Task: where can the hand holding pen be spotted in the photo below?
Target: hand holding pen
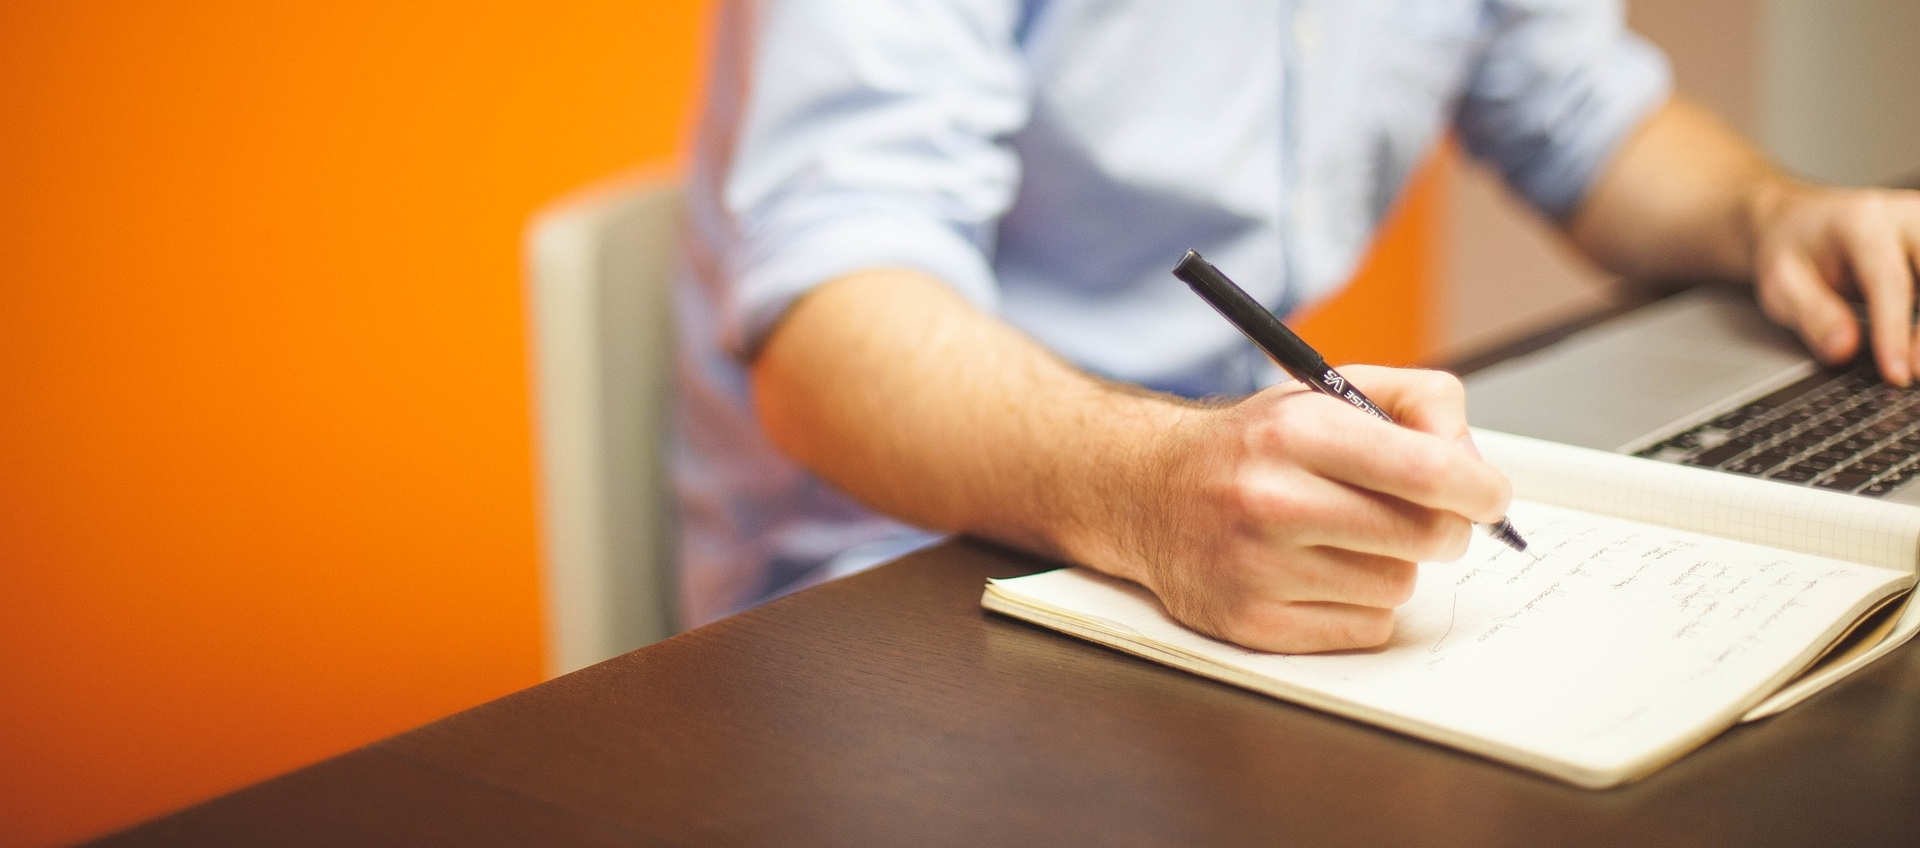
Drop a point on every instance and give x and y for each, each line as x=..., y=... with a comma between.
x=1282, y=521
x=1293, y=354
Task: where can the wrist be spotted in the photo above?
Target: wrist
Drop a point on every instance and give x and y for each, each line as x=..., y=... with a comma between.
x=1768, y=195
x=1132, y=454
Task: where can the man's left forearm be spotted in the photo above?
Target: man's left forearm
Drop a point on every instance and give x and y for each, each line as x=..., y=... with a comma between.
x=1679, y=199
x=1686, y=196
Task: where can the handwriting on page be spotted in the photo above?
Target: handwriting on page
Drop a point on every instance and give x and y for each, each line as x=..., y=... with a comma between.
x=1517, y=642
x=1610, y=642
x=1698, y=586
x=1793, y=518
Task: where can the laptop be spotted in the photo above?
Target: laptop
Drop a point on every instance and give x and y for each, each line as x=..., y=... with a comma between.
x=1702, y=378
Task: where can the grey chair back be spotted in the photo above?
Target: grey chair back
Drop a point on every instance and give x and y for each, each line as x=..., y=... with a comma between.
x=598, y=267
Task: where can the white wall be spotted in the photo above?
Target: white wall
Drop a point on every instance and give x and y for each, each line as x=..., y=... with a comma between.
x=1507, y=271
x=1839, y=91
x=1829, y=87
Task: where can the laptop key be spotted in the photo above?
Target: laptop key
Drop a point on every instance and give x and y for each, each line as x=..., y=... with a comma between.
x=1760, y=462
x=1852, y=445
x=1838, y=431
x=1780, y=397
x=1891, y=481
x=1799, y=442
x=1688, y=440
x=1824, y=431
x=1727, y=450
x=1879, y=430
x=1905, y=416
x=1739, y=416
x=1844, y=481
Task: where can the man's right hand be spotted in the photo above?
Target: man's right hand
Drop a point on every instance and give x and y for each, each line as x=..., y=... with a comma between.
x=1292, y=522
x=1286, y=522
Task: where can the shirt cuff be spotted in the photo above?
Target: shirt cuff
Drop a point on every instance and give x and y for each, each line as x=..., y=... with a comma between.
x=1637, y=82
x=770, y=272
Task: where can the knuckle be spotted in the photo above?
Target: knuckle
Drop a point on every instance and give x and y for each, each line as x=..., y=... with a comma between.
x=1307, y=409
x=1773, y=301
x=1253, y=625
x=1398, y=582
x=1442, y=385
x=1255, y=503
x=1241, y=502
x=1287, y=421
x=1459, y=538
x=1775, y=273
x=1302, y=424
x=1425, y=471
x=1441, y=537
x=1861, y=216
x=1369, y=628
x=1268, y=433
x=1290, y=628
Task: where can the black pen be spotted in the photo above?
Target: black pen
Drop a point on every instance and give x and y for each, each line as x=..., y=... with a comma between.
x=1293, y=354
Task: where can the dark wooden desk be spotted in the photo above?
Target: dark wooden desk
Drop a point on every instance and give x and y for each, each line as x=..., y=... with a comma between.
x=888, y=709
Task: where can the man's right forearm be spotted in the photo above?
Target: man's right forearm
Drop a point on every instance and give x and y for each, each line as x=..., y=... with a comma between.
x=892, y=387
x=1286, y=521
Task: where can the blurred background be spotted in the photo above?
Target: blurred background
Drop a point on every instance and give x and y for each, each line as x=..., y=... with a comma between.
x=266, y=476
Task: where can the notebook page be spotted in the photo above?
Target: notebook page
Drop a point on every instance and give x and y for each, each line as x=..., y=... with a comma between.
x=1904, y=629
x=1718, y=503
x=1619, y=647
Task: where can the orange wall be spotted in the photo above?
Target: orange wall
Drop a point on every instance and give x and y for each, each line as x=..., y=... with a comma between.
x=265, y=487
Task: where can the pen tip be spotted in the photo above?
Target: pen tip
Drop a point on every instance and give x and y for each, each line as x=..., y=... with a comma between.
x=1504, y=532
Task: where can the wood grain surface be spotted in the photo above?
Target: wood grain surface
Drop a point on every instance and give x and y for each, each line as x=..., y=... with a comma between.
x=888, y=709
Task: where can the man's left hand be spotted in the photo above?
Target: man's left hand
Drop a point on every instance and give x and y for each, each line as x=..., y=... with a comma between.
x=1814, y=244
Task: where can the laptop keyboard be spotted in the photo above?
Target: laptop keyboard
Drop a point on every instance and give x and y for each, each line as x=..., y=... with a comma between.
x=1845, y=431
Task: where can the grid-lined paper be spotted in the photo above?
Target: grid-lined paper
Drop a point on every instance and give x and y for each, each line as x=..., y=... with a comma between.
x=1614, y=646
x=1717, y=503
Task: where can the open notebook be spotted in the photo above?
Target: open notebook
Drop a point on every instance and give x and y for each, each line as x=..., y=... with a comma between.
x=1661, y=605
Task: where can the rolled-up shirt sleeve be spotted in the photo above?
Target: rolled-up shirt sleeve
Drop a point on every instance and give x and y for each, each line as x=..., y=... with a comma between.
x=1562, y=83
x=873, y=135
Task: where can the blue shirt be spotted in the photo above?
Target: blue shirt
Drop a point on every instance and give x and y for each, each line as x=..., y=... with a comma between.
x=1050, y=160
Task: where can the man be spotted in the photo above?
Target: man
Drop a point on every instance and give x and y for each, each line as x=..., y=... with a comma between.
x=928, y=279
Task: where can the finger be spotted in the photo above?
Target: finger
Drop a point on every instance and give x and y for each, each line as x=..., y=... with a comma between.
x=1392, y=528
x=1908, y=222
x=1878, y=257
x=1326, y=574
x=1795, y=295
x=1421, y=468
x=1428, y=401
x=1301, y=627
x=1334, y=575
x=1305, y=511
